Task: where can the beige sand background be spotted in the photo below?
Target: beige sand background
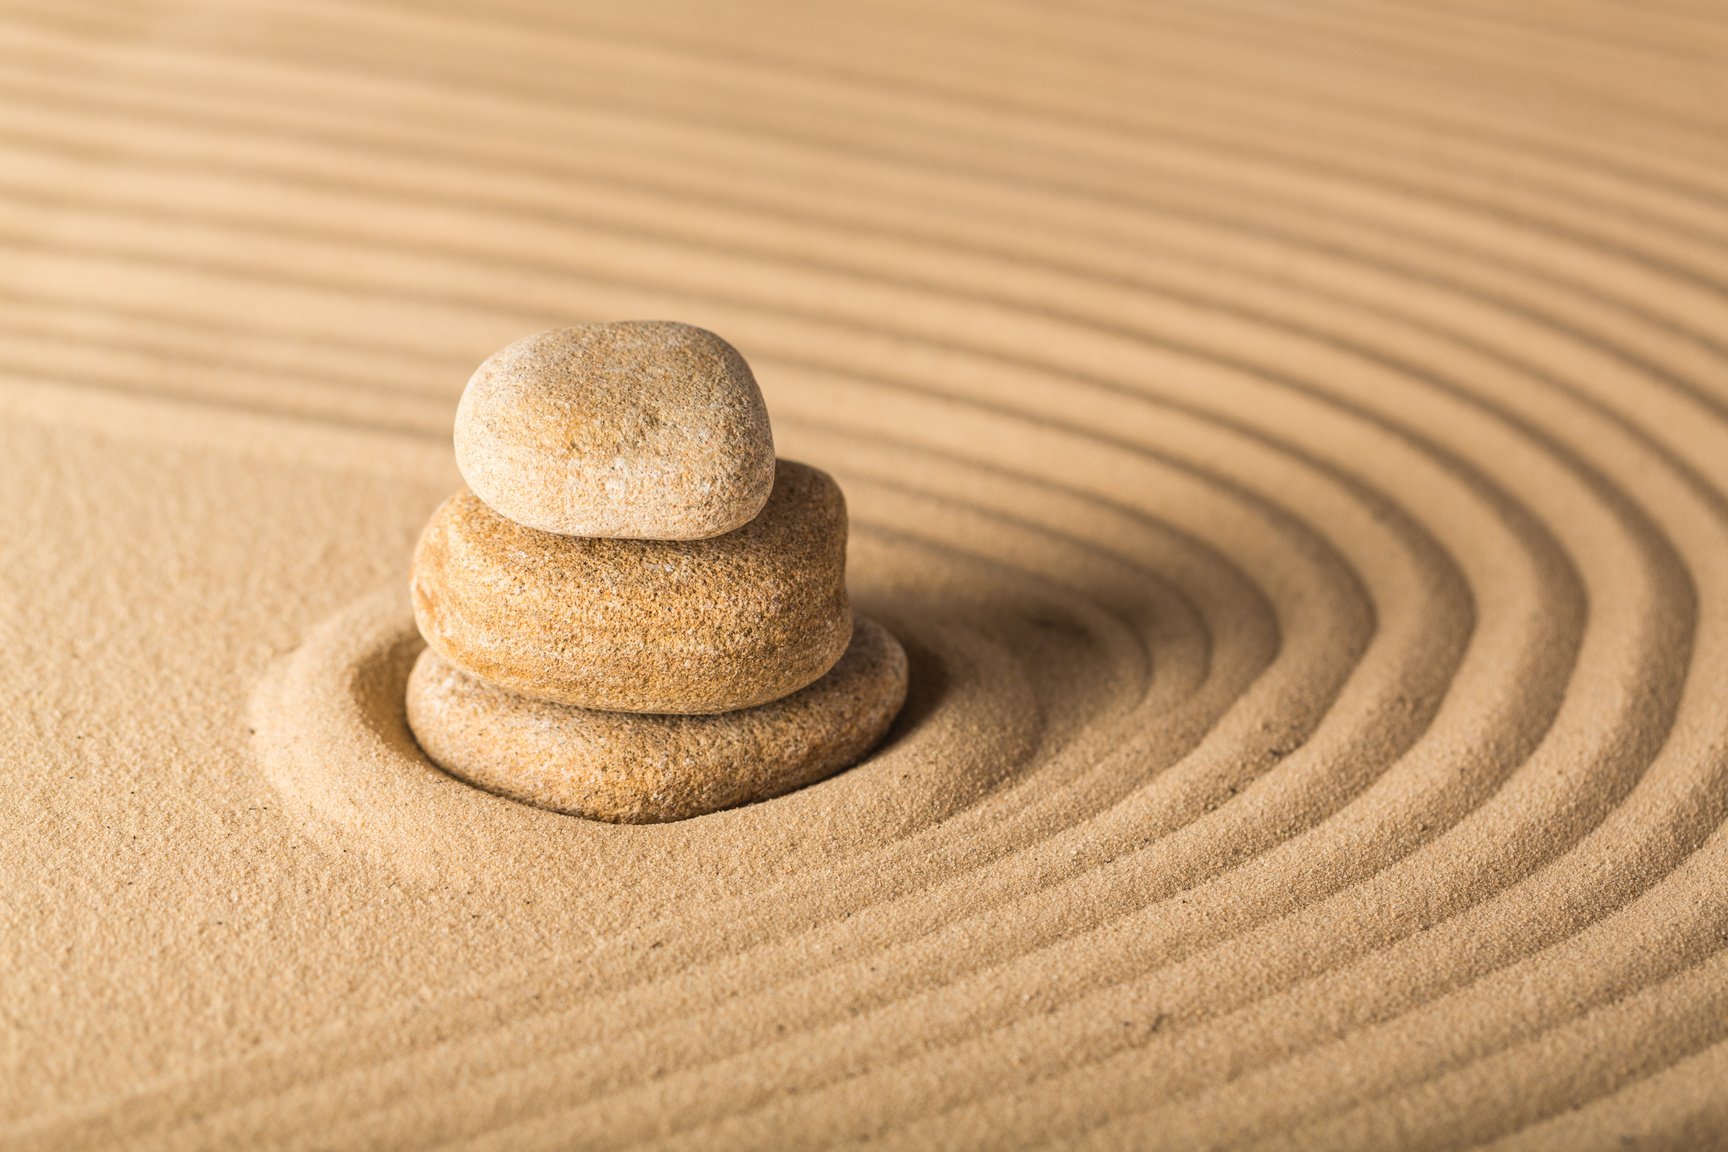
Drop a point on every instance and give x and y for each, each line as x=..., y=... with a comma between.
x=1291, y=440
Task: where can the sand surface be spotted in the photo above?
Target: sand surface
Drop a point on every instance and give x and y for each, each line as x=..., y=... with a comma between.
x=1290, y=439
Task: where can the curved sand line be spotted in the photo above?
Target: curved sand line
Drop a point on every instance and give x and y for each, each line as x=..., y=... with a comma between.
x=1292, y=443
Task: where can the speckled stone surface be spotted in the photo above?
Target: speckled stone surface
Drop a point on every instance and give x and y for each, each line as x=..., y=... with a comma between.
x=645, y=430
x=644, y=769
x=642, y=625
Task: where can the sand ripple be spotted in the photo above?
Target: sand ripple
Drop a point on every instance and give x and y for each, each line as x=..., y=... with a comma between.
x=1291, y=441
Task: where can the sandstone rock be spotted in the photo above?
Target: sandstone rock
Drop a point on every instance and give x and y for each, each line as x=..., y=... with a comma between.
x=643, y=769
x=644, y=430
x=683, y=626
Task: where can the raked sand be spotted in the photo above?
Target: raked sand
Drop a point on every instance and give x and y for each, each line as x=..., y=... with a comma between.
x=1290, y=440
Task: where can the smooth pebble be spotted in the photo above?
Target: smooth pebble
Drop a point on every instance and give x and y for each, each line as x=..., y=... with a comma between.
x=643, y=769
x=690, y=626
x=643, y=430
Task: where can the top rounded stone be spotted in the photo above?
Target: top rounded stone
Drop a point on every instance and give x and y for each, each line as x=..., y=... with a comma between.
x=646, y=430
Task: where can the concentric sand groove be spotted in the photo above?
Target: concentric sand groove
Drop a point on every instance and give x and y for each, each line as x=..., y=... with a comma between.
x=1292, y=442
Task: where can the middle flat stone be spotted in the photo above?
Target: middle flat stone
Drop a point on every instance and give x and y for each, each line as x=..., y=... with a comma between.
x=670, y=626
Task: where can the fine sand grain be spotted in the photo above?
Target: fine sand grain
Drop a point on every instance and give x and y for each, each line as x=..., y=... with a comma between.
x=1290, y=441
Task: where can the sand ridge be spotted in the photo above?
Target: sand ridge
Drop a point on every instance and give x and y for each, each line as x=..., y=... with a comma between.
x=1291, y=440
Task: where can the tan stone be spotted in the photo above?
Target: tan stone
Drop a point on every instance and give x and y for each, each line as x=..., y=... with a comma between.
x=644, y=430
x=642, y=625
x=643, y=769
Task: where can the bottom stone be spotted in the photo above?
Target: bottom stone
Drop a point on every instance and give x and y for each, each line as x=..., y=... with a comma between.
x=636, y=768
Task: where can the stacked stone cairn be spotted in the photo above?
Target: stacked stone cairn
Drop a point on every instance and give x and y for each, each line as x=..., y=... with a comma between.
x=635, y=612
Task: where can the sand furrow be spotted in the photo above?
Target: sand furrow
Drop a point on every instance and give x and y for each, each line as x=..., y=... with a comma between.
x=1291, y=442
